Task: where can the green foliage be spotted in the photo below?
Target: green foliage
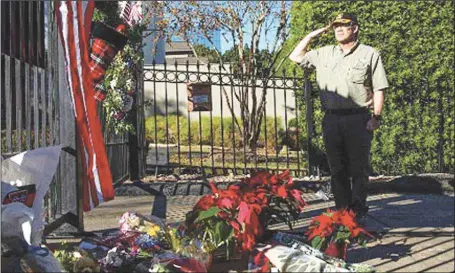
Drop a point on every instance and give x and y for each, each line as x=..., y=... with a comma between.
x=207, y=214
x=123, y=73
x=65, y=256
x=343, y=234
x=169, y=132
x=317, y=242
x=416, y=44
x=107, y=12
x=262, y=57
x=210, y=54
x=212, y=231
x=118, y=81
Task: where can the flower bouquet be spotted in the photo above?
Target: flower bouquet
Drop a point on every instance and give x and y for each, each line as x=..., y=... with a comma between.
x=333, y=231
x=141, y=244
x=237, y=216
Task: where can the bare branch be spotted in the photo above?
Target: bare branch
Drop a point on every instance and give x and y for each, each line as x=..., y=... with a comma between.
x=279, y=34
x=231, y=108
x=193, y=19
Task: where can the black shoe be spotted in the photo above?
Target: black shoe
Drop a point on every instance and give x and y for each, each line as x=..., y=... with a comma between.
x=359, y=209
x=361, y=219
x=360, y=213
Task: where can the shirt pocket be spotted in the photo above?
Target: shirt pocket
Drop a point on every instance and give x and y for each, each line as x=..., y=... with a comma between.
x=359, y=72
x=324, y=73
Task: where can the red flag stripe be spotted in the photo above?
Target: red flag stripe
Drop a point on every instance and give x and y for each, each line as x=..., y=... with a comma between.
x=80, y=57
x=100, y=168
x=70, y=38
x=97, y=185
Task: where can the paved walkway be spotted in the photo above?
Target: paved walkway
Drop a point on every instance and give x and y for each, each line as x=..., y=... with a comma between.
x=416, y=230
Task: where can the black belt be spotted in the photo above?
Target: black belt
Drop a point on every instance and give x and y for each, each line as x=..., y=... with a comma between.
x=347, y=111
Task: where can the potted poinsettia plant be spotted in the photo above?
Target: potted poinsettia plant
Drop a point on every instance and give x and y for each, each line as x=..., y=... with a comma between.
x=237, y=216
x=333, y=231
x=284, y=201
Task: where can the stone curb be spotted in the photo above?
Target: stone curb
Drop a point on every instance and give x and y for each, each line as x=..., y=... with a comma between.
x=424, y=184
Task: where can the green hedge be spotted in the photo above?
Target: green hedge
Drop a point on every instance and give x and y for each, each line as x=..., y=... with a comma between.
x=229, y=134
x=415, y=39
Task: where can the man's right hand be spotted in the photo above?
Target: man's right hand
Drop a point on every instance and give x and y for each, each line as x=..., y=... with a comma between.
x=300, y=50
x=320, y=31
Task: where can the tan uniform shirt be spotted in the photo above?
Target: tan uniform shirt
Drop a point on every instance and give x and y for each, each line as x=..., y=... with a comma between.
x=346, y=80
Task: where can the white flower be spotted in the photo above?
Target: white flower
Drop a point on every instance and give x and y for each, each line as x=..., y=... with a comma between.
x=129, y=84
x=113, y=83
x=77, y=255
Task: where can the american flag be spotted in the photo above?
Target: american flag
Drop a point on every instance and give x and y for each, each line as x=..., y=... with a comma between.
x=131, y=12
x=74, y=31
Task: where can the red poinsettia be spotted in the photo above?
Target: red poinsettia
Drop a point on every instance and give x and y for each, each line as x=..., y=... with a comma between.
x=242, y=211
x=332, y=231
x=259, y=261
x=205, y=202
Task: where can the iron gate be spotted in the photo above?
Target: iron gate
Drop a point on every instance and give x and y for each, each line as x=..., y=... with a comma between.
x=184, y=139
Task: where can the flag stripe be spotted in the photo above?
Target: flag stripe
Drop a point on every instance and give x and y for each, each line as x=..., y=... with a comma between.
x=100, y=167
x=87, y=199
x=97, y=181
x=131, y=12
x=79, y=104
x=79, y=39
x=63, y=30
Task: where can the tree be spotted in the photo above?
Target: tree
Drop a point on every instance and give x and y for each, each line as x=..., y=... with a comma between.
x=203, y=51
x=235, y=20
x=416, y=43
x=263, y=56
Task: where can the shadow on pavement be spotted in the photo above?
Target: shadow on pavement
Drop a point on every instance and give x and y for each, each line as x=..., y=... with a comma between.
x=418, y=224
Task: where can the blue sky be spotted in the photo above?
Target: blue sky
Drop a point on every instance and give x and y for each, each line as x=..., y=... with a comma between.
x=225, y=45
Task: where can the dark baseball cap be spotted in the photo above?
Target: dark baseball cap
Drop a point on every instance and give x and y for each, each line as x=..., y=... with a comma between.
x=344, y=18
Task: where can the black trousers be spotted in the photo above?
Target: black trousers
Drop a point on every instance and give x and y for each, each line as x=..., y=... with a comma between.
x=348, y=144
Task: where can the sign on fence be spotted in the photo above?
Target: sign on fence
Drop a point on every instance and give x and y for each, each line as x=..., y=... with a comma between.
x=199, y=97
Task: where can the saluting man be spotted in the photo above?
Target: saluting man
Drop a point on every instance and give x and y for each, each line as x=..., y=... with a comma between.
x=351, y=79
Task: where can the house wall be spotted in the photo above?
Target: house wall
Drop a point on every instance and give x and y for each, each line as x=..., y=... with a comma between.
x=283, y=107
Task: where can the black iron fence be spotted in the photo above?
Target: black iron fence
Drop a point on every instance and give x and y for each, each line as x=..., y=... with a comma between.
x=199, y=119
x=33, y=110
x=416, y=134
x=117, y=150
x=126, y=151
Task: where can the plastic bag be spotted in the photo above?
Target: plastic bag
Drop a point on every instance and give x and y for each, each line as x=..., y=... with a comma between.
x=16, y=228
x=36, y=167
x=38, y=259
